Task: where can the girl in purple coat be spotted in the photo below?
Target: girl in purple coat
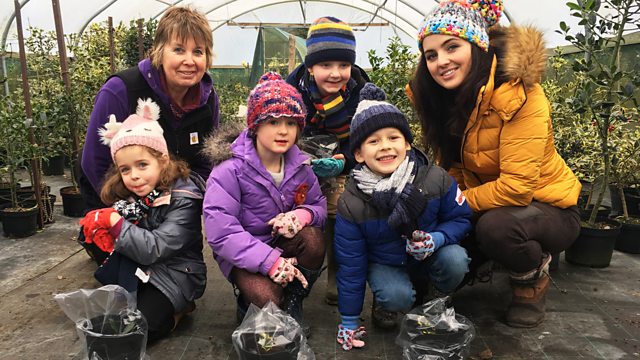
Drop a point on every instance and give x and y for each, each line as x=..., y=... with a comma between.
x=263, y=208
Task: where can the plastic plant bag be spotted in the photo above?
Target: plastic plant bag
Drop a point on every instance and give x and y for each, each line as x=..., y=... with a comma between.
x=107, y=322
x=270, y=333
x=319, y=146
x=434, y=332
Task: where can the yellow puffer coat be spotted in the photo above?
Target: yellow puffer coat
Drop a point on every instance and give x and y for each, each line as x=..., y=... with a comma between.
x=508, y=155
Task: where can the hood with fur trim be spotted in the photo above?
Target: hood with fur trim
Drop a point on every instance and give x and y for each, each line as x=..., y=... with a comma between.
x=521, y=53
x=217, y=148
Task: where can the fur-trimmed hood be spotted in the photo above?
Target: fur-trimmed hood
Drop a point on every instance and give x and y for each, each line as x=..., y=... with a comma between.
x=217, y=148
x=521, y=53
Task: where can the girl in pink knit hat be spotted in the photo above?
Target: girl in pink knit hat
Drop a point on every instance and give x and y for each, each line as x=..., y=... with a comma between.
x=151, y=235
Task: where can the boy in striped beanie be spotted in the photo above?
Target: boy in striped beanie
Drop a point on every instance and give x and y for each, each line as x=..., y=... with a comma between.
x=399, y=222
x=330, y=84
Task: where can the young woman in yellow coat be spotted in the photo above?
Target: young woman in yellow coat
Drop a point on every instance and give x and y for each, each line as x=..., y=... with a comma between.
x=487, y=120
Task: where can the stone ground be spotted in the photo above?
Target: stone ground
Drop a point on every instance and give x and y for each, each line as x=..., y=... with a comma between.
x=598, y=317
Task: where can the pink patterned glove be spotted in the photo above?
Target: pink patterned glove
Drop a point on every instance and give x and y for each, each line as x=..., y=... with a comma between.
x=421, y=245
x=284, y=271
x=288, y=224
x=351, y=338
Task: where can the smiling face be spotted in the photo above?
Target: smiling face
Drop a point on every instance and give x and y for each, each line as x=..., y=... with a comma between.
x=331, y=76
x=184, y=62
x=383, y=151
x=448, y=59
x=139, y=169
x=275, y=136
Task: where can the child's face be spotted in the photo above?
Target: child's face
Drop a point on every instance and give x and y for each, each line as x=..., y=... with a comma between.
x=275, y=136
x=448, y=59
x=383, y=151
x=139, y=169
x=331, y=76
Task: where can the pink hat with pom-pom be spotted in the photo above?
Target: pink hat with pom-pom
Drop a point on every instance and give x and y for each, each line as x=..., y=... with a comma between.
x=141, y=128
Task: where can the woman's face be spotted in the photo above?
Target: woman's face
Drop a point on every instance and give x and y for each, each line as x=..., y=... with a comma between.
x=448, y=59
x=183, y=63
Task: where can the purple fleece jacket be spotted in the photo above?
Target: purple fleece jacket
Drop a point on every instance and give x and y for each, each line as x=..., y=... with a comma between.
x=112, y=98
x=242, y=197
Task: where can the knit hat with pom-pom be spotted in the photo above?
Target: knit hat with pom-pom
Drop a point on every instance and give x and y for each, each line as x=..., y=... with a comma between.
x=274, y=98
x=141, y=128
x=374, y=113
x=466, y=19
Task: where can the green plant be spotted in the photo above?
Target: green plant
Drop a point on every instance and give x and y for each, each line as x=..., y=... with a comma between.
x=15, y=149
x=129, y=41
x=603, y=86
x=231, y=96
x=391, y=72
x=625, y=161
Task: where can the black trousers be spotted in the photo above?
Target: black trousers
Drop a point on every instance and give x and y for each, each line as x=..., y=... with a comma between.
x=157, y=309
x=516, y=236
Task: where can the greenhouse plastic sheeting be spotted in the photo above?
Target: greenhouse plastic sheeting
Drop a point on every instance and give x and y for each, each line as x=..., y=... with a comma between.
x=233, y=44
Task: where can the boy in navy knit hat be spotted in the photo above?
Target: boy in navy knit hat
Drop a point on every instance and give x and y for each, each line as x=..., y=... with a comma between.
x=399, y=221
x=330, y=84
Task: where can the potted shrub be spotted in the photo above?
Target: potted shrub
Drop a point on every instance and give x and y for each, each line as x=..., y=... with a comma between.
x=603, y=88
x=115, y=336
x=625, y=171
x=19, y=218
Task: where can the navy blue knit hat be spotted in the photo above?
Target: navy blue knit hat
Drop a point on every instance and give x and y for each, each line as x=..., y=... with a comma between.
x=373, y=114
x=330, y=39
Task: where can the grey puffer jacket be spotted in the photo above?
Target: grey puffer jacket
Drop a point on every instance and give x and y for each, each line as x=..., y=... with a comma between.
x=167, y=243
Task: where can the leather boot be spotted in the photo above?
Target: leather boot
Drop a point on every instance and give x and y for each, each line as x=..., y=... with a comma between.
x=527, y=306
x=383, y=319
x=294, y=294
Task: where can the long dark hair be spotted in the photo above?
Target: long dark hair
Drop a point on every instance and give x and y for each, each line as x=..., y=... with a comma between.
x=444, y=113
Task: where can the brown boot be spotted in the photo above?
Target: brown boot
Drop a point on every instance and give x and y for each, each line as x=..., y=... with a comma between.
x=527, y=305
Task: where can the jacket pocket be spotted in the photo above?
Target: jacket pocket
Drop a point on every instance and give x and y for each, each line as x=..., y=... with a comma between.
x=191, y=278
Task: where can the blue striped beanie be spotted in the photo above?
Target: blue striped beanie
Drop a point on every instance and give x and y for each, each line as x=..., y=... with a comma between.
x=374, y=113
x=330, y=39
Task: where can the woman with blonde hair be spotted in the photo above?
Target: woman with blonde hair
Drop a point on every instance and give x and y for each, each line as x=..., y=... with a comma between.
x=175, y=77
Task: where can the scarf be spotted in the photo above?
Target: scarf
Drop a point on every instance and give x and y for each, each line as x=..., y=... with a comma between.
x=135, y=210
x=331, y=113
x=395, y=193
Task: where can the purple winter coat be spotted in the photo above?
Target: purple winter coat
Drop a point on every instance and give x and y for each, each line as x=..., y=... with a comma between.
x=240, y=199
x=113, y=98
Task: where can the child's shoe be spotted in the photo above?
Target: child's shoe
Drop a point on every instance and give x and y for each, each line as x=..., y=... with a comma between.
x=383, y=319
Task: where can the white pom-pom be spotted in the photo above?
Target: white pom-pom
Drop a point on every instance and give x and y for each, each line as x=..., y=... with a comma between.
x=109, y=130
x=148, y=109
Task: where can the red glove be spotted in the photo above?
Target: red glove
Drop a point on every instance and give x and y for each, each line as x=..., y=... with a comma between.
x=95, y=227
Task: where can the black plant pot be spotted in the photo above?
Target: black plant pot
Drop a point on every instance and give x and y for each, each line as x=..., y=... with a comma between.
x=594, y=247
x=53, y=165
x=251, y=350
x=107, y=345
x=19, y=223
x=629, y=239
x=633, y=204
x=72, y=202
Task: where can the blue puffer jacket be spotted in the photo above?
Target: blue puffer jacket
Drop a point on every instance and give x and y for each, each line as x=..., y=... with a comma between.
x=363, y=235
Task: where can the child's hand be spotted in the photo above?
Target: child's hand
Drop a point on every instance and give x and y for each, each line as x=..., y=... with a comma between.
x=328, y=167
x=421, y=245
x=350, y=338
x=284, y=272
x=97, y=219
x=288, y=224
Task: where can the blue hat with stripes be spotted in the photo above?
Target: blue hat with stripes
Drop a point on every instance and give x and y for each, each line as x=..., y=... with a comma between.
x=330, y=39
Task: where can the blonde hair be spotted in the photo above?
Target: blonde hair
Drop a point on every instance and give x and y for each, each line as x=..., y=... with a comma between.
x=114, y=189
x=181, y=22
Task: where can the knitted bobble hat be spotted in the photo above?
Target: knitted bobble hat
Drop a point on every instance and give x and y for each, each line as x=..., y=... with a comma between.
x=330, y=39
x=466, y=19
x=141, y=128
x=274, y=98
x=373, y=114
